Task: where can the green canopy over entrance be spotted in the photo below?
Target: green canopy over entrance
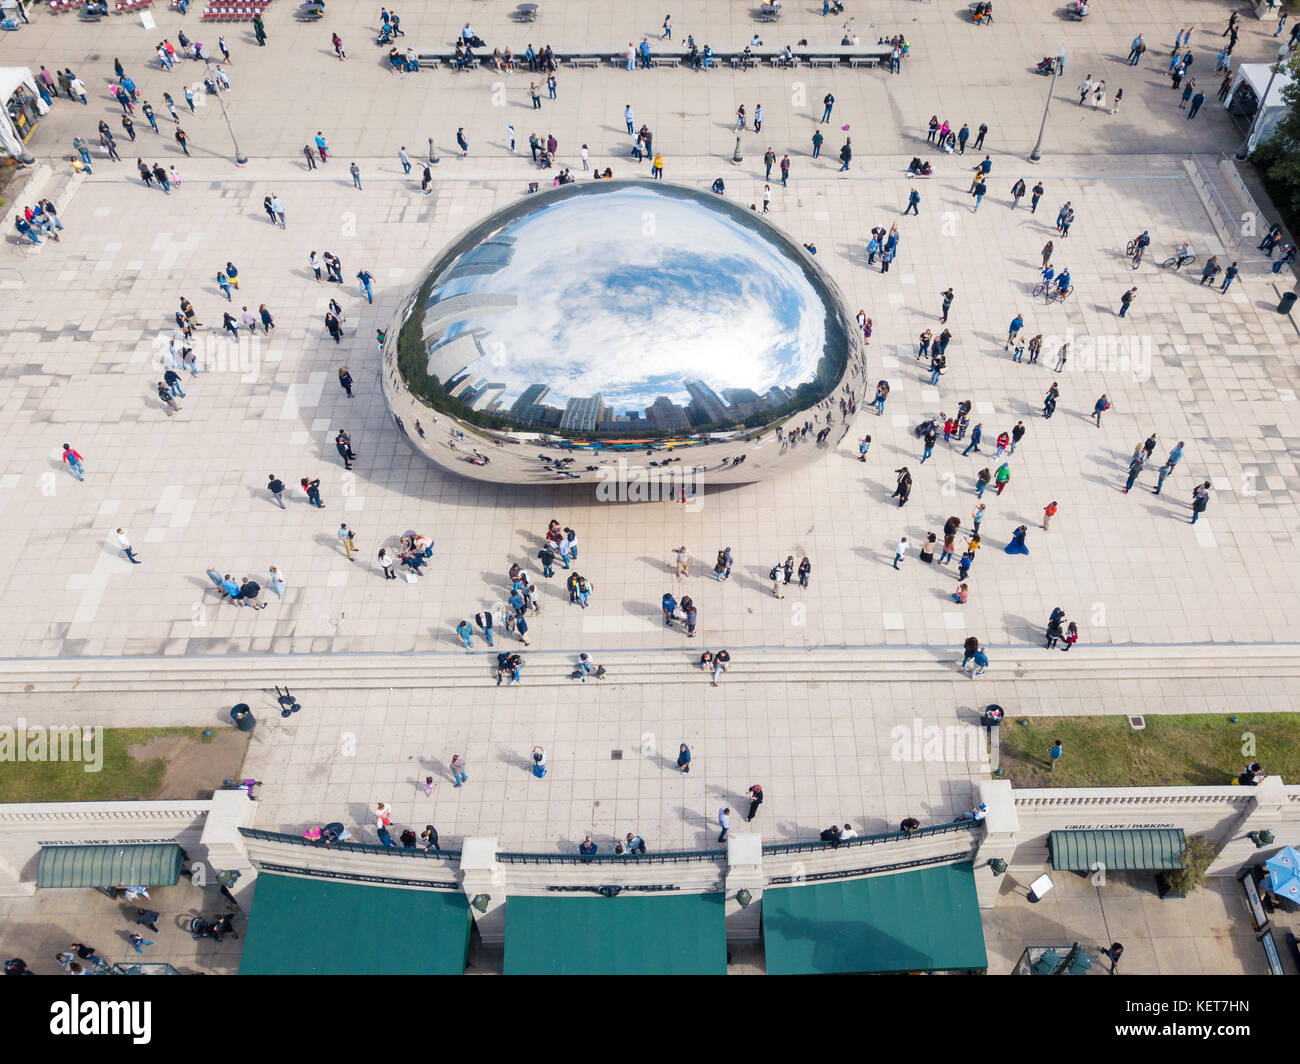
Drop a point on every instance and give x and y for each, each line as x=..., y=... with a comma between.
x=136, y=865
x=927, y=920
x=310, y=926
x=1119, y=850
x=673, y=934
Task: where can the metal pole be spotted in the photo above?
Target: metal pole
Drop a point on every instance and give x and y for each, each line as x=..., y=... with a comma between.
x=1037, y=153
x=240, y=157
x=1244, y=152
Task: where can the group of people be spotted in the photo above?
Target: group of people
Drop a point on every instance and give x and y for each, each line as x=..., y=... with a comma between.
x=245, y=591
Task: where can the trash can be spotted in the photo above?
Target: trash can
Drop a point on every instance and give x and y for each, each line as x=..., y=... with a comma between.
x=1288, y=301
x=243, y=717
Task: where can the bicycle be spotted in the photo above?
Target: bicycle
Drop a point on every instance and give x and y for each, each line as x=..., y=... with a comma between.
x=1134, y=252
x=1178, y=263
x=1039, y=289
x=1055, y=294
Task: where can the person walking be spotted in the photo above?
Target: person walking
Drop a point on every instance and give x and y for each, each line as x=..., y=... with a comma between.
x=1116, y=949
x=462, y=142
x=755, y=794
x=900, y=551
x=1001, y=478
x=1126, y=301
x=913, y=202
x=828, y=102
x=125, y=543
x=183, y=140
x=347, y=538
x=684, y=758
x=1229, y=275
x=312, y=490
x=976, y=434
x=724, y=818
x=355, y=171
x=846, y=154
x=1049, y=511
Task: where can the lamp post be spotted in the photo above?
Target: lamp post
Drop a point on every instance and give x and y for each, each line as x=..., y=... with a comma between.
x=1037, y=153
x=240, y=157
x=1246, y=144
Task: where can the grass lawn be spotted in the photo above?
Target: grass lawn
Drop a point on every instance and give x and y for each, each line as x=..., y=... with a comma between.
x=1183, y=750
x=121, y=777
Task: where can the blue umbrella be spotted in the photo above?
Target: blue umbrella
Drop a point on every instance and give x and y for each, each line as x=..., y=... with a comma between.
x=1284, y=873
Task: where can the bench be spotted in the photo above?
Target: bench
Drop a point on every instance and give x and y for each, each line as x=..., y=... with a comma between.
x=584, y=61
x=1270, y=953
x=780, y=61
x=1253, y=902
x=665, y=60
x=743, y=61
x=769, y=14
x=861, y=60
x=823, y=60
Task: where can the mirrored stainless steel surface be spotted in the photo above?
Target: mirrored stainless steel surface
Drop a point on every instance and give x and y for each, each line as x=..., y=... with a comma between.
x=624, y=328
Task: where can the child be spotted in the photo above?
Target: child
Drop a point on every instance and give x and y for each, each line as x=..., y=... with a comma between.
x=960, y=595
x=428, y=786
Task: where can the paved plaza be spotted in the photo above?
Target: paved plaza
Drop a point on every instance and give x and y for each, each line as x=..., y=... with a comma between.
x=84, y=322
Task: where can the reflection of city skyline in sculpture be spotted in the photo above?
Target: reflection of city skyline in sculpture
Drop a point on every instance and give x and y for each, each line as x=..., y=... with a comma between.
x=491, y=305
x=616, y=326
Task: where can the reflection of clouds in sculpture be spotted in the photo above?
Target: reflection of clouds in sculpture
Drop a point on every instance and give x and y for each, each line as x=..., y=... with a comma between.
x=603, y=309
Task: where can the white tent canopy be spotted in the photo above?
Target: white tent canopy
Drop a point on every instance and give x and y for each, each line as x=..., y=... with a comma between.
x=1248, y=89
x=11, y=79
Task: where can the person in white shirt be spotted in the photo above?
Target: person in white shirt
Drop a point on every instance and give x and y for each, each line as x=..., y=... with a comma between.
x=848, y=833
x=683, y=556
x=899, y=551
x=584, y=154
x=276, y=580
x=724, y=822
x=125, y=544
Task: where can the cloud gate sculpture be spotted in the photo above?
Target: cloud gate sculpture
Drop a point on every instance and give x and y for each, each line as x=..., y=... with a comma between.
x=624, y=329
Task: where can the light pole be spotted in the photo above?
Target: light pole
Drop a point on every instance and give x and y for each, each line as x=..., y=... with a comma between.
x=1247, y=144
x=1059, y=69
x=240, y=157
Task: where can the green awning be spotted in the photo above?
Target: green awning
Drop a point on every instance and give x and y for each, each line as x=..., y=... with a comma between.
x=315, y=926
x=675, y=934
x=146, y=864
x=928, y=920
x=1127, y=850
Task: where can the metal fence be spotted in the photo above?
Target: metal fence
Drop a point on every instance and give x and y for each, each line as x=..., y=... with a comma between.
x=817, y=845
x=677, y=857
x=351, y=847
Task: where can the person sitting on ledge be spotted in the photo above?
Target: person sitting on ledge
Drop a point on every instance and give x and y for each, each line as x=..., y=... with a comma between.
x=908, y=826
x=719, y=186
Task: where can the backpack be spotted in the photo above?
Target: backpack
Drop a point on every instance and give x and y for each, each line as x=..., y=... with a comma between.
x=775, y=573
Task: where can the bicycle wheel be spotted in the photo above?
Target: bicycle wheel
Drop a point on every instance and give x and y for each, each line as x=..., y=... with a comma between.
x=1189, y=260
x=1039, y=289
x=1137, y=259
x=1132, y=246
x=1171, y=261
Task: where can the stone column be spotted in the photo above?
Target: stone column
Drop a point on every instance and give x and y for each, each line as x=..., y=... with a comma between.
x=998, y=840
x=744, y=872
x=482, y=875
x=1269, y=809
x=223, y=846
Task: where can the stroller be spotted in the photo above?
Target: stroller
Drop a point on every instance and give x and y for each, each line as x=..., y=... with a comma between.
x=928, y=424
x=1047, y=65
x=386, y=34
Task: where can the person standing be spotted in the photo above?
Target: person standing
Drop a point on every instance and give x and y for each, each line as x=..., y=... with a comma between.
x=1017, y=193
x=1165, y=470
x=947, y=305
x=846, y=154
x=755, y=800
x=1017, y=434
x=1229, y=275
x=310, y=156
x=785, y=171
x=1134, y=470
x=125, y=543
x=1126, y=301
x=462, y=142
x=1117, y=948
x=817, y=140
x=828, y=102
x=312, y=490
x=684, y=758
x=1200, y=500
x=1049, y=511
x=900, y=551
x=683, y=556
x=980, y=135
x=484, y=622
x=1054, y=754
x=347, y=538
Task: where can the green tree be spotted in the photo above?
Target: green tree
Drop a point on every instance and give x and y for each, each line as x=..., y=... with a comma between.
x=1278, y=158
